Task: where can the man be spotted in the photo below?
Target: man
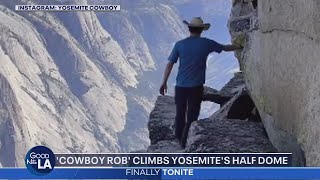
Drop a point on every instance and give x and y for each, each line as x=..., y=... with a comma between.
x=192, y=53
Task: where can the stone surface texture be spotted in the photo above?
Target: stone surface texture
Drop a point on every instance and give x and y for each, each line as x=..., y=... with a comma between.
x=281, y=66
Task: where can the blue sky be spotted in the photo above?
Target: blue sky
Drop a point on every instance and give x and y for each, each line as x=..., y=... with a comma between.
x=215, y=12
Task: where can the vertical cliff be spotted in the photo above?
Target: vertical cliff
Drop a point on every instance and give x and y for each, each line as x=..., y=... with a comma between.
x=281, y=66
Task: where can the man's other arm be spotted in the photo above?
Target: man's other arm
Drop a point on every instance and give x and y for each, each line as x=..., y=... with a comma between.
x=231, y=47
x=167, y=71
x=173, y=58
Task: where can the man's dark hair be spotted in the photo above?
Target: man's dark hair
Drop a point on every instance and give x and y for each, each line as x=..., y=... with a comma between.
x=196, y=30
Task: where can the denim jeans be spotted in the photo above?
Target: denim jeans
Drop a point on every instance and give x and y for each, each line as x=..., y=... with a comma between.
x=188, y=104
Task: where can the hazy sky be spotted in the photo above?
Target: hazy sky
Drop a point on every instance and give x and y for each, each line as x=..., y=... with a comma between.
x=215, y=12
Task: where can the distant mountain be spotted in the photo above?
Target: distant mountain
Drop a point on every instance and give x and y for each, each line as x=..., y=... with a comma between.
x=82, y=81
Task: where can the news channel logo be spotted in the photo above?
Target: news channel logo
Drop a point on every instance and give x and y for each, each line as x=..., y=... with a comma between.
x=40, y=160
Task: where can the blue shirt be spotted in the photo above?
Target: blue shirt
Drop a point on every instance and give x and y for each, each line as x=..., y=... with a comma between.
x=192, y=53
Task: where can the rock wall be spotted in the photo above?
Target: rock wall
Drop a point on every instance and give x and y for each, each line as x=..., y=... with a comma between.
x=281, y=66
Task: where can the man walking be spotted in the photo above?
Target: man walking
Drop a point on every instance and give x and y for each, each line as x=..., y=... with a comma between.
x=192, y=53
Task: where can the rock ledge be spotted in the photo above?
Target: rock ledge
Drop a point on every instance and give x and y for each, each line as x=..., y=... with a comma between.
x=244, y=132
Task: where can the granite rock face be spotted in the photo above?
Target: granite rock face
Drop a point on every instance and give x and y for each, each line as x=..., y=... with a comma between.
x=281, y=68
x=79, y=81
x=217, y=133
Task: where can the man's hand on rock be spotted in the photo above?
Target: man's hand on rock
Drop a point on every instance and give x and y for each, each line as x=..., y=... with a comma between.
x=163, y=89
x=240, y=47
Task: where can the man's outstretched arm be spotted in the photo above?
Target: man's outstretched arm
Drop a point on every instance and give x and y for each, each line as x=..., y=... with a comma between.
x=167, y=71
x=231, y=47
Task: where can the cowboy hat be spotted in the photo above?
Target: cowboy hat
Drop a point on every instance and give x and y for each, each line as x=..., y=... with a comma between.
x=197, y=22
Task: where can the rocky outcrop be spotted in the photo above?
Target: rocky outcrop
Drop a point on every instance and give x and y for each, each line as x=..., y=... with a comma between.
x=161, y=120
x=281, y=67
x=228, y=136
x=161, y=124
x=227, y=91
x=218, y=133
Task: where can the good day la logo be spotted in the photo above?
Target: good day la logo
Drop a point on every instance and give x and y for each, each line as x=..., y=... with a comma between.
x=40, y=160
